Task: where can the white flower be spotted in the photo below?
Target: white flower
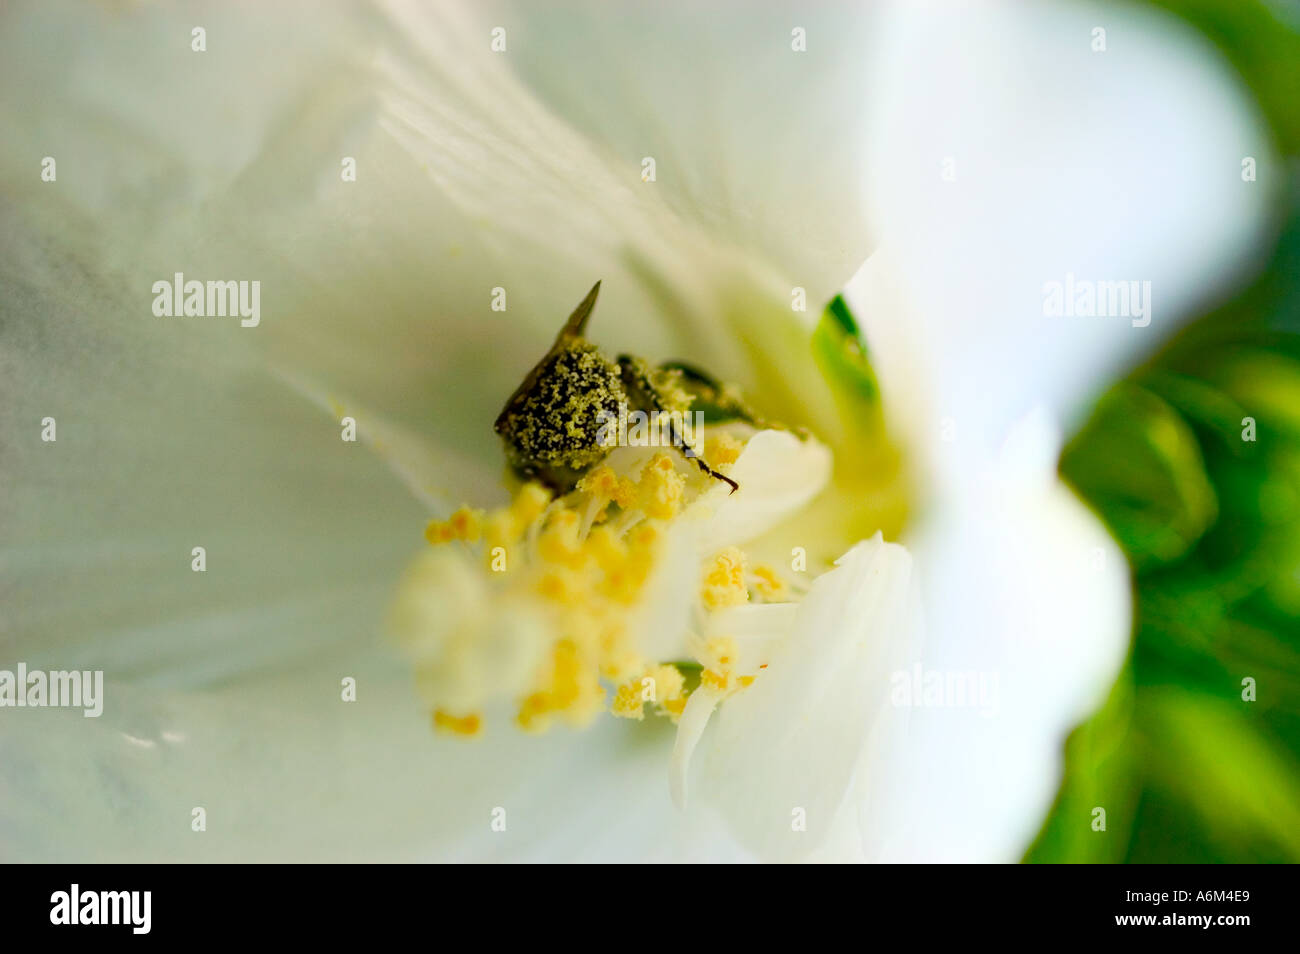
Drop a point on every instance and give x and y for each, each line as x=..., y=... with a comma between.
x=523, y=170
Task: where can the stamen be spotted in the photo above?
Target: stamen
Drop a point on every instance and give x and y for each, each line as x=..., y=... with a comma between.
x=723, y=450
x=660, y=489
x=663, y=686
x=467, y=726
x=724, y=580
x=583, y=564
x=769, y=586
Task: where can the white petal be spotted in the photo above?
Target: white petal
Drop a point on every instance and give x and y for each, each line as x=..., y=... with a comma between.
x=758, y=631
x=732, y=113
x=285, y=769
x=381, y=292
x=1022, y=586
x=690, y=728
x=778, y=475
x=1111, y=166
x=549, y=206
x=438, y=476
x=660, y=621
x=351, y=302
x=757, y=628
x=169, y=438
x=1064, y=162
x=794, y=741
x=171, y=434
x=470, y=649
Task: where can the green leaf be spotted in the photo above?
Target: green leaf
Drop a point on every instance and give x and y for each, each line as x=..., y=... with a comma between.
x=841, y=353
x=1259, y=42
x=1139, y=464
x=1101, y=775
x=1209, y=754
x=1211, y=521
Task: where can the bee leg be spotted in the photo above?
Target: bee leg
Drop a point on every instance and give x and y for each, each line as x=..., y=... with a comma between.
x=699, y=462
x=641, y=389
x=690, y=454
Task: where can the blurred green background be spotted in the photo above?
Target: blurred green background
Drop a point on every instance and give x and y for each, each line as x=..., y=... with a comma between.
x=1185, y=767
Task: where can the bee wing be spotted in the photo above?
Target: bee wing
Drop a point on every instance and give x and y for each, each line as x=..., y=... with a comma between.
x=573, y=328
x=577, y=323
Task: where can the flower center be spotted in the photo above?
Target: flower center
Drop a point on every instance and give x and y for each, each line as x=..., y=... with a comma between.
x=617, y=583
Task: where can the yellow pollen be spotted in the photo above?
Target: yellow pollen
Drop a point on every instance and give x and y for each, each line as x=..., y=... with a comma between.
x=501, y=529
x=625, y=577
x=534, y=713
x=529, y=504
x=560, y=587
x=622, y=584
x=629, y=702
x=601, y=482
x=661, y=686
x=582, y=574
x=624, y=581
x=660, y=489
x=601, y=485
x=465, y=524
x=724, y=580
x=643, y=536
x=625, y=493
x=669, y=682
x=619, y=659
x=719, y=654
x=770, y=586
x=467, y=726
x=438, y=532
x=559, y=542
x=570, y=688
x=673, y=707
x=719, y=682
x=722, y=450
x=605, y=548
x=670, y=690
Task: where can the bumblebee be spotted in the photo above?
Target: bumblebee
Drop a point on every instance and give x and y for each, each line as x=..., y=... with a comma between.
x=552, y=426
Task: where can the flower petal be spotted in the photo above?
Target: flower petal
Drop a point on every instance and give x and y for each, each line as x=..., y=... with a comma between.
x=1026, y=591
x=285, y=769
x=778, y=474
x=788, y=748
x=163, y=444
x=1010, y=153
x=751, y=110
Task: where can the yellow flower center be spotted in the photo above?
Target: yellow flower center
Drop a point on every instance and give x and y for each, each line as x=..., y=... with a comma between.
x=585, y=562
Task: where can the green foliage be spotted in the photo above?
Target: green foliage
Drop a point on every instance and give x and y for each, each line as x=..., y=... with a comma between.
x=841, y=353
x=1260, y=39
x=1194, y=463
x=1186, y=766
x=1142, y=467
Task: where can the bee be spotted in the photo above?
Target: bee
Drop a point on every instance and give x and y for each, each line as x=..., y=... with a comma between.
x=552, y=426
